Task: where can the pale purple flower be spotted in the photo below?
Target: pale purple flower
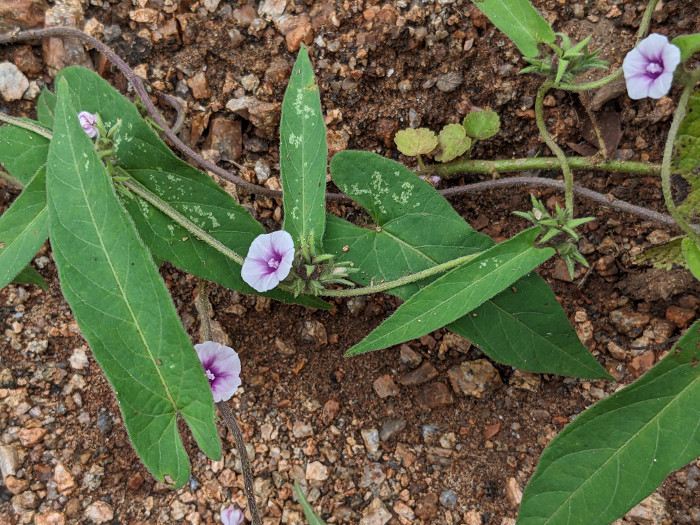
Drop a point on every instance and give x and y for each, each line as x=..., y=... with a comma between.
x=649, y=67
x=232, y=516
x=89, y=123
x=433, y=179
x=268, y=261
x=222, y=368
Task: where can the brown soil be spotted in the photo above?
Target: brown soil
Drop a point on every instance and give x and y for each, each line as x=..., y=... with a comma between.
x=439, y=449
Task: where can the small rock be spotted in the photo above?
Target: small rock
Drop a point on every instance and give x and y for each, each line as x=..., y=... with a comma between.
x=316, y=471
x=144, y=15
x=65, y=482
x=272, y=9
x=449, y=81
x=13, y=83
x=420, y=375
x=16, y=485
x=525, y=380
x=606, y=266
x=302, y=33
x=408, y=358
x=21, y=13
x=452, y=341
x=404, y=511
x=371, y=438
x=384, y=386
x=25, y=59
x=104, y=423
x=650, y=511
x=491, y=430
x=375, y=513
x=277, y=73
x=426, y=506
x=224, y=141
x=385, y=130
x=314, y=333
x=628, y=322
x=373, y=474
x=78, y=359
x=473, y=517
x=474, y=378
x=244, y=16
x=681, y=317
x=514, y=492
x=642, y=363
x=199, y=86
x=301, y=429
x=356, y=304
x=51, y=517
x=63, y=52
x=616, y=351
x=30, y=437
x=435, y=395
x=448, y=498
x=283, y=347
x=658, y=237
x=330, y=411
x=391, y=428
x=560, y=272
x=9, y=460
x=24, y=501
x=135, y=482
x=99, y=512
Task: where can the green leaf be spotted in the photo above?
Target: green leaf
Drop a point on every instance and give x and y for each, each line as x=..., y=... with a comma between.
x=46, y=108
x=146, y=158
x=458, y=292
x=686, y=153
x=123, y=307
x=201, y=200
x=453, y=142
x=311, y=516
x=22, y=152
x=663, y=256
x=688, y=44
x=407, y=239
x=413, y=142
x=543, y=340
x=618, y=451
x=519, y=21
x=24, y=228
x=30, y=276
x=303, y=155
x=482, y=124
x=691, y=252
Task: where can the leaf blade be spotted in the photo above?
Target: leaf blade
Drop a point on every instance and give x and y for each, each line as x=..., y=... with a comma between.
x=122, y=305
x=618, y=451
x=303, y=154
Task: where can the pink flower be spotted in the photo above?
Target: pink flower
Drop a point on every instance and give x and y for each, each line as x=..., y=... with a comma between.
x=649, y=67
x=232, y=516
x=222, y=368
x=268, y=261
x=433, y=179
x=89, y=123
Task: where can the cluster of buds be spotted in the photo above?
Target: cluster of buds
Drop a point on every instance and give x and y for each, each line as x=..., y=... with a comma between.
x=567, y=62
x=553, y=225
x=312, y=273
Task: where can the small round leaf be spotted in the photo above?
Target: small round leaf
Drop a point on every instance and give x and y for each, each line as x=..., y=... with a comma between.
x=453, y=142
x=414, y=142
x=482, y=124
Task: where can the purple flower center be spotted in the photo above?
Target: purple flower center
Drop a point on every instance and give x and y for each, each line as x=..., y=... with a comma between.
x=274, y=261
x=654, y=69
x=210, y=375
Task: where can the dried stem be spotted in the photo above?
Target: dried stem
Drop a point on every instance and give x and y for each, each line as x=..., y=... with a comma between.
x=230, y=420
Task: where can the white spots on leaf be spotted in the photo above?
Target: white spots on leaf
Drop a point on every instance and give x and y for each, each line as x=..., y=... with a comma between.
x=405, y=195
x=300, y=108
x=295, y=140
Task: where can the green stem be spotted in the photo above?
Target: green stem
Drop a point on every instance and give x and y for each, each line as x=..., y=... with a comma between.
x=678, y=116
x=408, y=279
x=641, y=33
x=539, y=163
x=558, y=152
x=29, y=126
x=182, y=220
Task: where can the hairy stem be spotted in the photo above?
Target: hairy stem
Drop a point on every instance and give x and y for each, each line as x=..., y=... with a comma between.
x=229, y=418
x=29, y=126
x=182, y=220
x=407, y=279
x=204, y=308
x=678, y=116
x=538, y=163
x=558, y=152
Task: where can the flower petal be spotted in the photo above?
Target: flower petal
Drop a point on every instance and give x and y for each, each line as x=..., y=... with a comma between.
x=256, y=270
x=225, y=366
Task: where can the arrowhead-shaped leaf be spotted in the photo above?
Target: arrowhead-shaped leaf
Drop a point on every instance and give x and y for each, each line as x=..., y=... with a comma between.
x=122, y=306
x=303, y=155
x=415, y=228
x=618, y=451
x=458, y=292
